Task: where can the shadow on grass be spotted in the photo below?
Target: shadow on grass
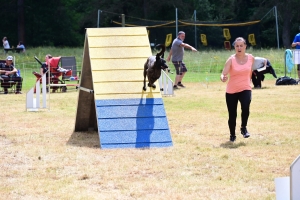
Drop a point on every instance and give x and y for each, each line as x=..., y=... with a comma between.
x=85, y=139
x=262, y=88
x=232, y=145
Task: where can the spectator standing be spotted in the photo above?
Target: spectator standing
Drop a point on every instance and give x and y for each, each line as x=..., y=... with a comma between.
x=176, y=52
x=239, y=68
x=5, y=44
x=296, y=43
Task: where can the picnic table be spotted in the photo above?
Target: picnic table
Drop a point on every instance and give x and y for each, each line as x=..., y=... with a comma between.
x=18, y=50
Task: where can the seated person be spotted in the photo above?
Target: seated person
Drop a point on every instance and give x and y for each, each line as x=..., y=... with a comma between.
x=44, y=69
x=260, y=67
x=9, y=73
x=44, y=66
x=21, y=46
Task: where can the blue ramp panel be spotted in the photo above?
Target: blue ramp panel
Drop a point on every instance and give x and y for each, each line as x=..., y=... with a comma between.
x=132, y=123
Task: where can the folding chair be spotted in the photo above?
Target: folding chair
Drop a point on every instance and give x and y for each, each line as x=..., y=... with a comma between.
x=69, y=63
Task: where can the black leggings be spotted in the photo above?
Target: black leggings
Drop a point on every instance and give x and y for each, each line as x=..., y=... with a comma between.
x=232, y=102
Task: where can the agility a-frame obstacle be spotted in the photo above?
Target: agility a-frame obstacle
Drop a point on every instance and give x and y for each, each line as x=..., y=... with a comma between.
x=111, y=99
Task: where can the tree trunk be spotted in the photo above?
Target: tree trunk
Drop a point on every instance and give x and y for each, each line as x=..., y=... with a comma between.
x=286, y=24
x=21, y=21
x=145, y=9
x=286, y=33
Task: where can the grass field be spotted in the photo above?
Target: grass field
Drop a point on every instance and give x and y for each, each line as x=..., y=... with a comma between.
x=43, y=158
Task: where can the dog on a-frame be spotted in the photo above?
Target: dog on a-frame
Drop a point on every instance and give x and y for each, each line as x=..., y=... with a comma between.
x=153, y=67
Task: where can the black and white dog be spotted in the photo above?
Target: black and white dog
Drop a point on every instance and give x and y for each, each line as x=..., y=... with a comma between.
x=153, y=67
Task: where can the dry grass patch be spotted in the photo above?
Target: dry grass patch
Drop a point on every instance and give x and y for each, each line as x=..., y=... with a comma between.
x=42, y=158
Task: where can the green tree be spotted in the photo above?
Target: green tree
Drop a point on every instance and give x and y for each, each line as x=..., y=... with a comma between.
x=63, y=22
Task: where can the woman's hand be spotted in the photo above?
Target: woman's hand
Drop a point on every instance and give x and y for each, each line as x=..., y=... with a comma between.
x=223, y=78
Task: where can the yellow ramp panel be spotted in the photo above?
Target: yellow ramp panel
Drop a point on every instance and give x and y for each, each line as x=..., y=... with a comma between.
x=118, y=90
x=117, y=64
x=121, y=87
x=149, y=94
x=117, y=41
x=120, y=52
x=118, y=76
x=118, y=31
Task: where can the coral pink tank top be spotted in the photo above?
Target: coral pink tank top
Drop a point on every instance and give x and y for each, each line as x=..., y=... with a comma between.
x=240, y=75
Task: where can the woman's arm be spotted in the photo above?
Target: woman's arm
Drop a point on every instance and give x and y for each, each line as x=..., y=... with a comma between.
x=226, y=69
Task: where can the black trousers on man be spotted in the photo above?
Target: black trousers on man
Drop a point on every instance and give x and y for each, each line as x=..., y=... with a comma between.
x=7, y=82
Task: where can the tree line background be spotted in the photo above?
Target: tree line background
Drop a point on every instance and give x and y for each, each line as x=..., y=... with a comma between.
x=63, y=22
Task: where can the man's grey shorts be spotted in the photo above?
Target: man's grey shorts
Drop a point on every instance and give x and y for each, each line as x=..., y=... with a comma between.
x=180, y=67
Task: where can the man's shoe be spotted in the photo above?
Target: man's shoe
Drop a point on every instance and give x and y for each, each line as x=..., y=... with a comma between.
x=181, y=85
x=5, y=91
x=232, y=138
x=245, y=133
x=18, y=92
x=257, y=87
x=175, y=87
